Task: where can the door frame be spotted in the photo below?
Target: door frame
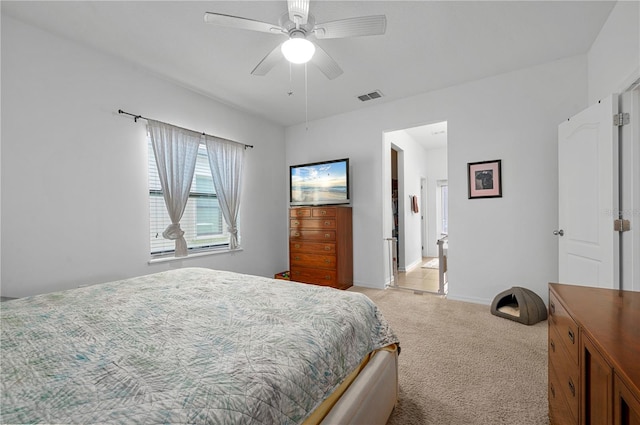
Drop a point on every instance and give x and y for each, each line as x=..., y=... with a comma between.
x=629, y=102
x=424, y=218
x=588, y=247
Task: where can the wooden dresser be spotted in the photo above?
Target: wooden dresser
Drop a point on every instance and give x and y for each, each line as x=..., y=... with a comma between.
x=594, y=356
x=321, y=246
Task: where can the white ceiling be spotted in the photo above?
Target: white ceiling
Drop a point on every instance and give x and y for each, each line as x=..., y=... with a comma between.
x=428, y=45
x=431, y=136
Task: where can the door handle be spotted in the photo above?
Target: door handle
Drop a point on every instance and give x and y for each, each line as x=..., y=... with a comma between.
x=558, y=232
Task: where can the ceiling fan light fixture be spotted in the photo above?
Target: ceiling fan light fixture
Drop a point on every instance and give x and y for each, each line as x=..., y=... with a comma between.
x=298, y=50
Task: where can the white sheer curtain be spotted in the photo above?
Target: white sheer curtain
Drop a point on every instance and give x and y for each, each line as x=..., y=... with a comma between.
x=176, y=151
x=226, y=160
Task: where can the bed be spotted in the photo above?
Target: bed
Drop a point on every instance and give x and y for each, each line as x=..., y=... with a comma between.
x=197, y=345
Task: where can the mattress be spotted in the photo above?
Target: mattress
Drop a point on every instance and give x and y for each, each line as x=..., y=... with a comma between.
x=184, y=346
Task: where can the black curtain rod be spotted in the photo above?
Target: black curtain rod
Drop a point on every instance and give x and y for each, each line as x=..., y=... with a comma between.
x=137, y=117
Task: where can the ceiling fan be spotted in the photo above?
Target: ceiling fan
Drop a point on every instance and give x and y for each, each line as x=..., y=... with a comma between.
x=300, y=26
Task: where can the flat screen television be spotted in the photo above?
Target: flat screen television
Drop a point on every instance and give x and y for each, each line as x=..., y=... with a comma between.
x=320, y=183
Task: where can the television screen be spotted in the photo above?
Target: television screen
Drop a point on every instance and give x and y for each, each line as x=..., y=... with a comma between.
x=320, y=183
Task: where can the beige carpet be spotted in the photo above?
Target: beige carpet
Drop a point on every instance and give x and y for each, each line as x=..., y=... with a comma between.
x=461, y=365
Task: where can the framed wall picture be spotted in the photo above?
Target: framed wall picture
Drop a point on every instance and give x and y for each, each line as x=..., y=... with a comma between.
x=485, y=179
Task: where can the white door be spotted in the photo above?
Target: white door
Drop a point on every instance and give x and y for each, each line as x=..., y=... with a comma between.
x=588, y=247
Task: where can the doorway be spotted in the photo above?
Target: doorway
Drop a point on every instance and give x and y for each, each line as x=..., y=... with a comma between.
x=418, y=213
x=395, y=210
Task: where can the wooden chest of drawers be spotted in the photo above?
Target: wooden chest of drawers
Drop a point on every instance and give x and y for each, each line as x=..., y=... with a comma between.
x=563, y=364
x=321, y=246
x=594, y=347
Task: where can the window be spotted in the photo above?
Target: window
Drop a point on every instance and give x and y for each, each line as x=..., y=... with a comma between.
x=208, y=215
x=202, y=222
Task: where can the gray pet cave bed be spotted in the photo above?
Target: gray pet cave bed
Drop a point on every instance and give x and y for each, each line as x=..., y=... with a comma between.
x=520, y=305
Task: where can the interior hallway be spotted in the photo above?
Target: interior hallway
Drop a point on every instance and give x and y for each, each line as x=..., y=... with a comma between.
x=419, y=278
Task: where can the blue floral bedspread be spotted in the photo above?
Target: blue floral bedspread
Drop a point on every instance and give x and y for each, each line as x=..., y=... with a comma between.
x=184, y=346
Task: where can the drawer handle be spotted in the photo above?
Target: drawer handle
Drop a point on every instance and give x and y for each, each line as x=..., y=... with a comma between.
x=552, y=308
x=323, y=212
x=553, y=345
x=327, y=235
x=572, y=337
x=327, y=260
x=297, y=257
x=327, y=248
x=296, y=234
x=553, y=390
x=296, y=223
x=327, y=223
x=327, y=277
x=297, y=246
x=572, y=388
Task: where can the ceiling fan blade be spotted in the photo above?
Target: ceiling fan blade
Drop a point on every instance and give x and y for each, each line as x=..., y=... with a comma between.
x=352, y=27
x=298, y=11
x=268, y=62
x=326, y=64
x=241, y=23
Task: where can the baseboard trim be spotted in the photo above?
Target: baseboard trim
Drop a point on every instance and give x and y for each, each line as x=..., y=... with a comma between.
x=468, y=299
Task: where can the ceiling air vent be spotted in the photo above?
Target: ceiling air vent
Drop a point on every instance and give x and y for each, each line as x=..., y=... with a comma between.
x=369, y=96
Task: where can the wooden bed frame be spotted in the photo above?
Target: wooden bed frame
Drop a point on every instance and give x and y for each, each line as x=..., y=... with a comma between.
x=372, y=396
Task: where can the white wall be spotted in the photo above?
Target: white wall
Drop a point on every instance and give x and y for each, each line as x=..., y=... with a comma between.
x=74, y=172
x=614, y=57
x=493, y=243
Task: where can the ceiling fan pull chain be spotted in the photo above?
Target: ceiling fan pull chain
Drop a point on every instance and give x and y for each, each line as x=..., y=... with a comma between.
x=290, y=93
x=306, y=102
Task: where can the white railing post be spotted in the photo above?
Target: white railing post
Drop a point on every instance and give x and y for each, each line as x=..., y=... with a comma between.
x=393, y=262
x=442, y=268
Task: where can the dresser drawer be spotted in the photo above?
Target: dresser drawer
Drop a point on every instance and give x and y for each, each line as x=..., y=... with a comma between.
x=328, y=223
x=322, y=261
x=313, y=235
x=566, y=328
x=300, y=212
x=313, y=247
x=319, y=277
x=323, y=212
x=567, y=373
x=559, y=410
